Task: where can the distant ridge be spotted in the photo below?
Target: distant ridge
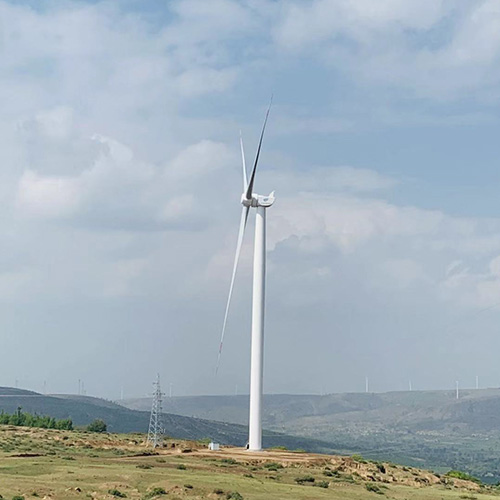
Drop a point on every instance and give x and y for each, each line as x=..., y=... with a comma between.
x=420, y=428
x=83, y=409
x=475, y=410
x=11, y=391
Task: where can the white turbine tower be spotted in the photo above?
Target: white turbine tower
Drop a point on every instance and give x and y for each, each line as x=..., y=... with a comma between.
x=249, y=199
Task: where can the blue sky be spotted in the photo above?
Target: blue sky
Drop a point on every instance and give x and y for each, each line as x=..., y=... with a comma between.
x=120, y=179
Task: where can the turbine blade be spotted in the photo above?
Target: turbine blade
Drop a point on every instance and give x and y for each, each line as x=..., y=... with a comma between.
x=243, y=223
x=245, y=180
x=252, y=177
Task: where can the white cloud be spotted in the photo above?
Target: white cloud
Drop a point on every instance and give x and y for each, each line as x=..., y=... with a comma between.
x=350, y=221
x=327, y=179
x=434, y=49
x=56, y=123
x=118, y=191
x=361, y=21
x=52, y=197
x=121, y=174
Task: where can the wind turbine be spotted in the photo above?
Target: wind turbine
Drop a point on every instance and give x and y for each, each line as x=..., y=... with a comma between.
x=249, y=199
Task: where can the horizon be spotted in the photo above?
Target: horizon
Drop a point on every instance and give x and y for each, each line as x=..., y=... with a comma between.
x=451, y=390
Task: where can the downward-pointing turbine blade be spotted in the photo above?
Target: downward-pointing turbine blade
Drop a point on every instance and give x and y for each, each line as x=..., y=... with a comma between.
x=252, y=177
x=245, y=180
x=243, y=223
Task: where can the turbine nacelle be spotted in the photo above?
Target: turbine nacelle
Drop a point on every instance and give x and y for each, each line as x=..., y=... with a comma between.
x=257, y=200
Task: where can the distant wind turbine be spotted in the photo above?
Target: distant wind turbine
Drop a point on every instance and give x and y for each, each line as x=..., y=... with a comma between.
x=249, y=199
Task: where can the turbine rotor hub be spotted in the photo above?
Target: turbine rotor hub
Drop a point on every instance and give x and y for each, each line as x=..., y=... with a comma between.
x=258, y=200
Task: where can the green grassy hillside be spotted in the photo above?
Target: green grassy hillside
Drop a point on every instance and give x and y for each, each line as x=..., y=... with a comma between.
x=40, y=463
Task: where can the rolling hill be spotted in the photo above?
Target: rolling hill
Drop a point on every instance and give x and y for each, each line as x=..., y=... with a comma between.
x=420, y=428
x=83, y=409
x=56, y=464
x=417, y=411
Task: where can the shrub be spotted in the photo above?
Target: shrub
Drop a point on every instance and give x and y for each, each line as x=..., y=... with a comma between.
x=218, y=491
x=156, y=491
x=234, y=495
x=462, y=475
x=117, y=493
x=188, y=486
x=98, y=425
x=358, y=458
x=373, y=488
x=322, y=484
x=273, y=466
x=17, y=497
x=331, y=473
x=229, y=461
x=181, y=467
x=304, y=479
x=380, y=467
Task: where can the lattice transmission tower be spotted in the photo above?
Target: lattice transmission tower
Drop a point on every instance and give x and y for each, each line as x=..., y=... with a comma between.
x=156, y=428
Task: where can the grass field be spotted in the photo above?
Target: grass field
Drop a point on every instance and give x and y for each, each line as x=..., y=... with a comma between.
x=72, y=464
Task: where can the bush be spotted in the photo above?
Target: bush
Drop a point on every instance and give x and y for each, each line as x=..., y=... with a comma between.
x=218, y=491
x=304, y=479
x=234, y=495
x=462, y=475
x=373, y=488
x=17, y=497
x=331, y=473
x=181, y=467
x=273, y=466
x=322, y=484
x=229, y=461
x=97, y=425
x=358, y=458
x=156, y=491
x=117, y=493
x=188, y=486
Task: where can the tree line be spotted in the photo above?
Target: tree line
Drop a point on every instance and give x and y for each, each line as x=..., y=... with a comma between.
x=24, y=419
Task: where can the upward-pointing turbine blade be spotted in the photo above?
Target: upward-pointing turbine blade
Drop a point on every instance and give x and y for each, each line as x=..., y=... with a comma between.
x=245, y=180
x=252, y=177
x=243, y=223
